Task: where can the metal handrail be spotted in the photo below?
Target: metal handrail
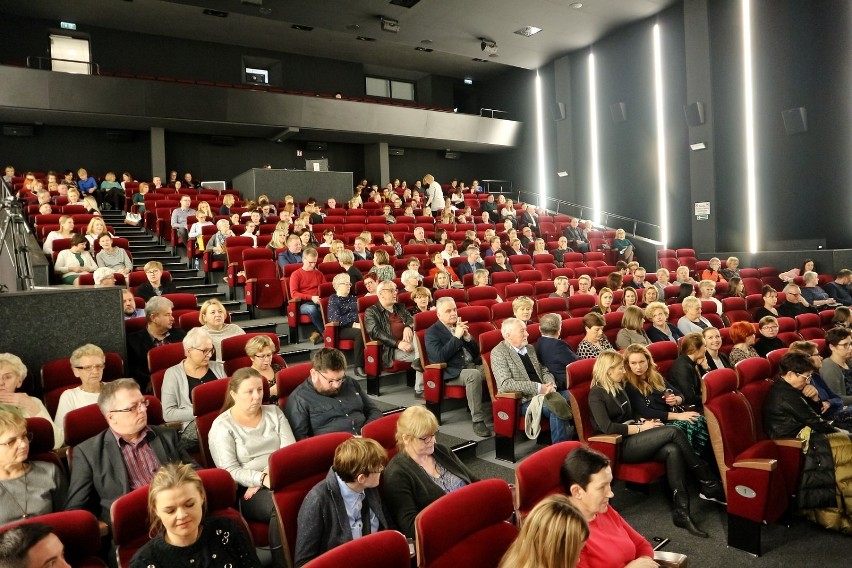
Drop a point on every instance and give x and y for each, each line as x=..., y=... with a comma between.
x=41, y=58
x=584, y=211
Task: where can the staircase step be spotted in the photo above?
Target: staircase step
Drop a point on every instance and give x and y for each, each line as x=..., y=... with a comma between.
x=203, y=297
x=181, y=271
x=162, y=256
x=188, y=281
x=270, y=327
x=237, y=315
x=140, y=238
x=199, y=289
x=145, y=247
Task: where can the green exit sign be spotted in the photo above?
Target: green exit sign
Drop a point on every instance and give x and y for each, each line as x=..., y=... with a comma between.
x=68, y=26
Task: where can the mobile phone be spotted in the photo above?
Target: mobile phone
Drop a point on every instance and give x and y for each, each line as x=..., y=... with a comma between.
x=667, y=392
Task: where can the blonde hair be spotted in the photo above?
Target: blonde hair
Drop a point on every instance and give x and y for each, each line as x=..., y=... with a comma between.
x=11, y=419
x=654, y=381
x=87, y=350
x=600, y=373
x=168, y=477
x=202, y=313
x=552, y=536
x=414, y=422
x=357, y=456
x=381, y=257
x=257, y=343
x=653, y=307
x=14, y=363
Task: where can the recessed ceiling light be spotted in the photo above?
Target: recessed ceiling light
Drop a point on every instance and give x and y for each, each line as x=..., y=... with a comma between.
x=493, y=55
x=425, y=49
x=302, y=28
x=265, y=11
x=576, y=5
x=353, y=27
x=528, y=31
x=425, y=41
x=365, y=38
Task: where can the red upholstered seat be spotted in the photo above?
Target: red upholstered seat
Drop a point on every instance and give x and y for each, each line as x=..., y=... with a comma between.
x=537, y=476
x=735, y=310
x=383, y=431
x=57, y=376
x=479, y=533
x=809, y=326
x=78, y=531
x=290, y=485
x=754, y=376
x=384, y=549
x=664, y=354
x=160, y=359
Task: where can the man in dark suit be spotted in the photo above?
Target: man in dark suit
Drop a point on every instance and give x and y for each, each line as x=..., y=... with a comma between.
x=552, y=352
x=293, y=254
x=473, y=263
x=530, y=219
x=577, y=239
x=449, y=341
x=158, y=331
x=360, y=250
x=123, y=457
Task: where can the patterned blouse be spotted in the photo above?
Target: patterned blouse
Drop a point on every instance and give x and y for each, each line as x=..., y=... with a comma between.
x=588, y=350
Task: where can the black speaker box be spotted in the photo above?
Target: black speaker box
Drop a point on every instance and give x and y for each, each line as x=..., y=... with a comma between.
x=795, y=120
x=557, y=110
x=22, y=130
x=694, y=113
x=452, y=155
x=396, y=151
x=618, y=112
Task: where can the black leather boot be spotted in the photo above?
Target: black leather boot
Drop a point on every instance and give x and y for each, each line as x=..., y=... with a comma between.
x=680, y=514
x=711, y=486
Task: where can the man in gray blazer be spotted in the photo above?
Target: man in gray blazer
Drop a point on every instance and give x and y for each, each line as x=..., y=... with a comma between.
x=123, y=457
x=516, y=368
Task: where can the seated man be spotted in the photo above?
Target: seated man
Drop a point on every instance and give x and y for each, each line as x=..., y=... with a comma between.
x=639, y=281
x=389, y=322
x=530, y=219
x=31, y=545
x=552, y=352
x=794, y=304
x=527, y=238
x=359, y=249
x=449, y=341
x=328, y=400
x=420, y=237
x=576, y=236
x=473, y=263
x=813, y=293
x=304, y=286
x=490, y=207
x=345, y=505
x=840, y=289
x=180, y=216
x=158, y=331
x=128, y=303
x=485, y=221
x=516, y=369
x=560, y=250
x=293, y=254
x=123, y=457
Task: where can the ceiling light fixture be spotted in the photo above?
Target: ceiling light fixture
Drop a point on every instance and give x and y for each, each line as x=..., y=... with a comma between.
x=216, y=13
x=528, y=31
x=576, y=5
x=390, y=25
x=424, y=49
x=365, y=38
x=302, y=28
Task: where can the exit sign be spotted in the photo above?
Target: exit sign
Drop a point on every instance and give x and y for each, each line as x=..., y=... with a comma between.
x=68, y=26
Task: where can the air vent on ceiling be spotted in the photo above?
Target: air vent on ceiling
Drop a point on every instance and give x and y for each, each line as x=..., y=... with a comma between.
x=217, y=13
x=528, y=31
x=302, y=28
x=365, y=38
x=404, y=3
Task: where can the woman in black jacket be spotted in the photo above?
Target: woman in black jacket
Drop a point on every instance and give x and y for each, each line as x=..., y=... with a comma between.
x=685, y=374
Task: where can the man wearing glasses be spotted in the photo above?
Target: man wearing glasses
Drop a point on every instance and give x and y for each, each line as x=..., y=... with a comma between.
x=388, y=321
x=795, y=304
x=328, y=400
x=158, y=331
x=123, y=457
x=836, y=371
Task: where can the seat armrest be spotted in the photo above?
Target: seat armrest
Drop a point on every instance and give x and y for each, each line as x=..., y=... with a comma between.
x=763, y=464
x=790, y=443
x=606, y=438
x=436, y=366
x=514, y=395
x=103, y=529
x=333, y=324
x=671, y=559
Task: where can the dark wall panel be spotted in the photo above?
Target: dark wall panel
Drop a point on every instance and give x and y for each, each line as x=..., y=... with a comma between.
x=417, y=162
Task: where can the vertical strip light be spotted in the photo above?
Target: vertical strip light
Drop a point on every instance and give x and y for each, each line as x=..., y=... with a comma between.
x=593, y=129
x=539, y=118
x=661, y=137
x=751, y=173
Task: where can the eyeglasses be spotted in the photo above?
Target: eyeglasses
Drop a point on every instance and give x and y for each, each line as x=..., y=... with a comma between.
x=391, y=290
x=138, y=407
x=770, y=327
x=25, y=437
x=806, y=377
x=206, y=352
x=263, y=356
x=844, y=344
x=429, y=437
x=90, y=368
x=332, y=381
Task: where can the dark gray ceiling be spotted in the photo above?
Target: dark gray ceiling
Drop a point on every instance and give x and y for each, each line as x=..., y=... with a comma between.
x=452, y=27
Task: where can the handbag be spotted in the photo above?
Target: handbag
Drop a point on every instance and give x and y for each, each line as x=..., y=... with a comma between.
x=132, y=219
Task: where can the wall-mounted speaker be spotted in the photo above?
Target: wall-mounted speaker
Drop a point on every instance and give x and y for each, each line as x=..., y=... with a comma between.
x=316, y=146
x=694, y=113
x=618, y=112
x=396, y=151
x=22, y=130
x=557, y=110
x=452, y=155
x=795, y=120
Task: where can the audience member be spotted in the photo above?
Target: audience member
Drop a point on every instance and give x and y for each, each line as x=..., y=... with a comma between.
x=576, y=236
x=389, y=322
x=632, y=329
x=158, y=331
x=13, y=372
x=813, y=293
x=713, y=271
x=661, y=329
x=594, y=342
x=293, y=254
x=836, y=370
x=72, y=262
x=685, y=372
x=31, y=545
x=713, y=357
x=551, y=351
x=795, y=303
x=155, y=286
x=840, y=289
x=304, y=286
x=87, y=363
x=128, y=303
x=743, y=337
x=692, y=320
x=732, y=268
x=214, y=318
x=768, y=340
x=180, y=216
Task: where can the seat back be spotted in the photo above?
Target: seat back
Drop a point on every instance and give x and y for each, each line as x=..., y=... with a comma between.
x=578, y=376
x=384, y=549
x=383, y=431
x=41, y=446
x=754, y=383
x=78, y=531
x=479, y=534
x=538, y=476
x=664, y=354
x=57, y=376
x=160, y=359
x=291, y=484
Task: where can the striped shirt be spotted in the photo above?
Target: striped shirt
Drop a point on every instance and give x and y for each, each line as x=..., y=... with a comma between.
x=139, y=458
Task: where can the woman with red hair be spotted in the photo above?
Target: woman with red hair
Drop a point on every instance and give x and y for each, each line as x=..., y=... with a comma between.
x=743, y=335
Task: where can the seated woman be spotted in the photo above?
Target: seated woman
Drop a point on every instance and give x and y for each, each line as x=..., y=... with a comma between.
x=768, y=340
x=789, y=276
x=692, y=321
x=481, y=278
x=91, y=205
x=632, y=328
x=584, y=286
x=29, y=488
x=623, y=245
x=564, y=289
x=343, y=310
x=628, y=298
x=197, y=228
x=787, y=413
x=72, y=262
x=241, y=440
x=501, y=263
x=442, y=281
x=539, y=247
x=612, y=543
x=682, y=276
x=181, y=379
x=449, y=252
x=615, y=280
x=713, y=271
x=371, y=282
x=94, y=230
x=612, y=413
x=595, y=342
x=553, y=535
x=422, y=471
x=661, y=329
x=736, y=287
x=770, y=300
x=333, y=251
x=828, y=403
x=346, y=259
x=649, y=296
x=422, y=299
x=814, y=293
x=214, y=320
x=390, y=240
x=351, y=484
x=732, y=268
x=654, y=398
x=278, y=240
x=706, y=289
x=685, y=372
x=604, y=305
x=87, y=363
x=743, y=336
x=663, y=276
x=442, y=265
x=176, y=511
x=713, y=357
x=228, y=201
x=261, y=350
x=842, y=317
x=508, y=213
x=382, y=266
x=112, y=256
x=522, y=308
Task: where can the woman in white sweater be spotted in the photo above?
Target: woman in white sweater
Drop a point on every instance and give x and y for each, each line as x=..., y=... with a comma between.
x=71, y=263
x=88, y=363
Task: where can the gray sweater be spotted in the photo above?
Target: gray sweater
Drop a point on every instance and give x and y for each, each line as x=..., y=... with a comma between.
x=42, y=490
x=175, y=396
x=832, y=374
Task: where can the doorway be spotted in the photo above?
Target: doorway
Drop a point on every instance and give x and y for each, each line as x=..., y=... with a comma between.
x=70, y=54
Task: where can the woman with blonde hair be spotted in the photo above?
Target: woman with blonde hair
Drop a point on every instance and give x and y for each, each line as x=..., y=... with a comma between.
x=552, y=536
x=66, y=231
x=91, y=205
x=214, y=318
x=176, y=510
x=261, y=350
x=13, y=372
x=632, y=328
x=382, y=267
x=604, y=305
x=228, y=201
x=278, y=240
x=94, y=230
x=522, y=308
x=335, y=248
x=661, y=330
